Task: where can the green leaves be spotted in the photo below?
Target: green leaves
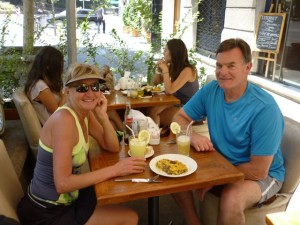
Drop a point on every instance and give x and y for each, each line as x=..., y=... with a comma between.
x=121, y=57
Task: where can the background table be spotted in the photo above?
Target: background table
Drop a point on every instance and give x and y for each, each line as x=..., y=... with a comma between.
x=117, y=100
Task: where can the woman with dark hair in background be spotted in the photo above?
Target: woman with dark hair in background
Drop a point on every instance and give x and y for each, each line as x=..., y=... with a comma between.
x=44, y=83
x=179, y=78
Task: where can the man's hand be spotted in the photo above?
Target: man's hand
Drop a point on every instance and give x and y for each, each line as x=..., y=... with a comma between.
x=201, y=143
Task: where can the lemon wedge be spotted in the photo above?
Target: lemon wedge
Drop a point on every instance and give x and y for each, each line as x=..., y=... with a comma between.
x=175, y=128
x=144, y=135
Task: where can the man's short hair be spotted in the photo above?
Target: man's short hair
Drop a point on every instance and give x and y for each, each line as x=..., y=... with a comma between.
x=232, y=43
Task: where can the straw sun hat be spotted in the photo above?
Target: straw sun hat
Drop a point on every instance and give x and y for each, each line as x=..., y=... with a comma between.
x=81, y=71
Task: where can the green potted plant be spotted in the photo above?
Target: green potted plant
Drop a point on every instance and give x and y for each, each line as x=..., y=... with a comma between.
x=120, y=56
x=146, y=16
x=126, y=19
x=135, y=18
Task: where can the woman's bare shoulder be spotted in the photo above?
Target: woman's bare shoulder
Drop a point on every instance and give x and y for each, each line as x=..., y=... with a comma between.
x=190, y=73
x=61, y=118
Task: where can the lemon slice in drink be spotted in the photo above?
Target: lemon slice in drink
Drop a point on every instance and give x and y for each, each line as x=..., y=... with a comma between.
x=144, y=135
x=175, y=128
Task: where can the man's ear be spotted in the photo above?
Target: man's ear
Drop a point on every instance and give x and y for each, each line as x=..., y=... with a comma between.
x=249, y=66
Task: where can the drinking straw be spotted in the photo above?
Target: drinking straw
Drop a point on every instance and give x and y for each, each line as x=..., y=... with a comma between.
x=130, y=130
x=188, y=127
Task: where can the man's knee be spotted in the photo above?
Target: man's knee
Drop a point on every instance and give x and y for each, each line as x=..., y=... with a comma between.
x=230, y=200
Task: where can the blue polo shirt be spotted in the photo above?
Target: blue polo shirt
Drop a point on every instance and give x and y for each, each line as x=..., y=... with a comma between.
x=251, y=125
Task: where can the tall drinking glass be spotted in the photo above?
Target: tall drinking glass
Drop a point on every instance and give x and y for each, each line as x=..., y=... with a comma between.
x=183, y=141
x=137, y=147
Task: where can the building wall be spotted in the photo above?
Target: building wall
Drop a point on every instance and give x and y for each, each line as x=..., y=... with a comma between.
x=241, y=19
x=186, y=12
x=167, y=18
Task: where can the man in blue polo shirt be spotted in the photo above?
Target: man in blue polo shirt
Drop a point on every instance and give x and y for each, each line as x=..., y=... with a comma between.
x=245, y=126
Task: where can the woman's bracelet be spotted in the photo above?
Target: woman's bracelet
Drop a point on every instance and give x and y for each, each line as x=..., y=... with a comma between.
x=165, y=72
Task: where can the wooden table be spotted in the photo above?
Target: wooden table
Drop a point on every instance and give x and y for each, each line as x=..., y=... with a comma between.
x=213, y=169
x=284, y=218
x=117, y=100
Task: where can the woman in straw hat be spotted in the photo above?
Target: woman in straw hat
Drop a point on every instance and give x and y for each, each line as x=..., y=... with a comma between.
x=59, y=193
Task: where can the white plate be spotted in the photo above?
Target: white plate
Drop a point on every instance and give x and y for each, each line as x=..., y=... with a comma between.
x=156, y=92
x=151, y=153
x=189, y=162
x=148, y=96
x=124, y=92
x=106, y=92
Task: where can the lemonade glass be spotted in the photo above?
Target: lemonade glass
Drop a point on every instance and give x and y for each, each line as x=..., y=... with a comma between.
x=183, y=141
x=137, y=147
x=140, y=92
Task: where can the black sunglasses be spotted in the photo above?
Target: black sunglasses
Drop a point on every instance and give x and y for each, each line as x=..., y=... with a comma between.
x=83, y=88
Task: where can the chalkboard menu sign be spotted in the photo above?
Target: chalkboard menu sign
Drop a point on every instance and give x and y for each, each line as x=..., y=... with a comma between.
x=269, y=31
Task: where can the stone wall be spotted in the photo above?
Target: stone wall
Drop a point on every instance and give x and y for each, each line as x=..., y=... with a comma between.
x=241, y=19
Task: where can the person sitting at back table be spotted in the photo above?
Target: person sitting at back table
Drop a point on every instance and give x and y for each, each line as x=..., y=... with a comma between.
x=44, y=85
x=59, y=193
x=179, y=77
x=110, y=85
x=44, y=82
x=246, y=126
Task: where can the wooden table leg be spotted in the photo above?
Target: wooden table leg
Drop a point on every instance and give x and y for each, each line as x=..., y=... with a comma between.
x=153, y=211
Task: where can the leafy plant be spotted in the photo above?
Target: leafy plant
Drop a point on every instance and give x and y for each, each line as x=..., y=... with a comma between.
x=194, y=61
x=87, y=41
x=202, y=75
x=12, y=70
x=126, y=16
x=62, y=39
x=119, y=55
x=134, y=15
x=96, y=3
x=151, y=65
x=146, y=14
x=12, y=63
x=5, y=6
x=138, y=14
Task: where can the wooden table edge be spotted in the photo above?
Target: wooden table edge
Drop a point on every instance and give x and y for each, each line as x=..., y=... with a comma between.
x=107, y=200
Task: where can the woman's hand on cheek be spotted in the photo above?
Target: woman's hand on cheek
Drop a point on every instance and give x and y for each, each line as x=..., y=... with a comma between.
x=101, y=107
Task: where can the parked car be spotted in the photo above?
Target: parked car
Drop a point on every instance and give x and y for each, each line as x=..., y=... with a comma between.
x=81, y=15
